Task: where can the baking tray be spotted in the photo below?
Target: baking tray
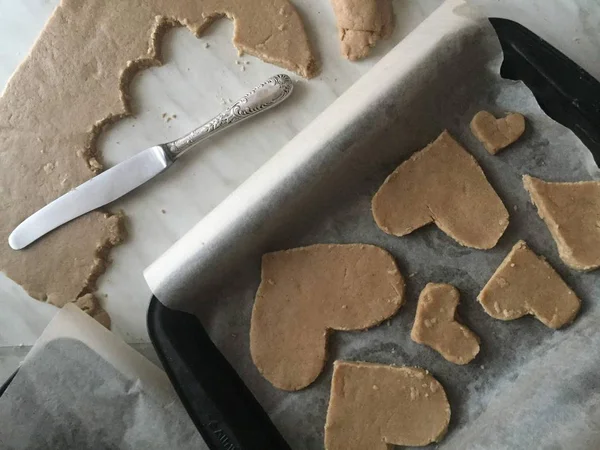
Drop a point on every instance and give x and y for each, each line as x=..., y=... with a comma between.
x=199, y=371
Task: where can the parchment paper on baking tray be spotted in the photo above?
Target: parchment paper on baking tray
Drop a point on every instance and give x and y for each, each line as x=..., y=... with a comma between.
x=530, y=387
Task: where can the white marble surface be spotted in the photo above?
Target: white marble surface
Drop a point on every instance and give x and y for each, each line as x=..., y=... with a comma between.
x=194, y=84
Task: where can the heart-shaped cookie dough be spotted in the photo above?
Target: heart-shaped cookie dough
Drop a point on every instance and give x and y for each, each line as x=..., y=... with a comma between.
x=497, y=134
x=306, y=292
x=437, y=327
x=372, y=407
x=442, y=184
x=572, y=213
x=527, y=284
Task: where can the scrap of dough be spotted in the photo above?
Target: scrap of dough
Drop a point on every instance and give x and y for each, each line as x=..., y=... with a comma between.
x=90, y=305
x=442, y=184
x=361, y=23
x=572, y=214
x=497, y=134
x=71, y=85
x=374, y=406
x=526, y=284
x=304, y=293
x=436, y=325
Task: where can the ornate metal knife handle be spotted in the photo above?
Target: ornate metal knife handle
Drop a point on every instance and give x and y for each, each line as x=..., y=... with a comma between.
x=268, y=94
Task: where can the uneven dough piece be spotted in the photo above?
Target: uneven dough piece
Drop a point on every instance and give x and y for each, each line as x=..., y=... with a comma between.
x=374, y=406
x=442, y=184
x=89, y=305
x=572, y=213
x=306, y=292
x=526, y=284
x=436, y=325
x=70, y=86
x=361, y=23
x=497, y=134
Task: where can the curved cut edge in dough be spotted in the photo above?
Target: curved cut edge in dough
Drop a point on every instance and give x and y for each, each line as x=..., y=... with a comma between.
x=73, y=84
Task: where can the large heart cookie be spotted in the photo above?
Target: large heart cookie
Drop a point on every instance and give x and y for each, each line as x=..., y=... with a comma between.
x=306, y=292
x=442, y=184
x=437, y=326
x=526, y=284
x=372, y=407
x=497, y=134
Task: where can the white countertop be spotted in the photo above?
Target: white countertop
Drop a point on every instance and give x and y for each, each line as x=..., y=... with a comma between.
x=194, y=84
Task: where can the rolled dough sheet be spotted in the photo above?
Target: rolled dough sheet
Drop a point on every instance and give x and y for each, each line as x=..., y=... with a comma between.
x=572, y=213
x=526, y=284
x=69, y=87
x=437, y=326
x=373, y=406
x=306, y=292
x=442, y=184
x=361, y=24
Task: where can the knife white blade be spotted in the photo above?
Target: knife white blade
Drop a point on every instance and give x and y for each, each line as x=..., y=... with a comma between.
x=135, y=171
x=99, y=191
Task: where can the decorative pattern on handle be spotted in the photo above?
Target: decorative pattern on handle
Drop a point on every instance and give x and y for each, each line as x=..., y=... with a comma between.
x=268, y=94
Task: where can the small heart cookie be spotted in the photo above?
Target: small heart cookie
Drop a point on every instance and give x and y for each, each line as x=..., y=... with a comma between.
x=497, y=134
x=437, y=326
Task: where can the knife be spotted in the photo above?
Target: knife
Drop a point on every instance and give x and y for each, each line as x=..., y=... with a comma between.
x=135, y=171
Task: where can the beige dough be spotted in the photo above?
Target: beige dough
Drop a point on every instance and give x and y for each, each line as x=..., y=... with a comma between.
x=442, y=184
x=373, y=407
x=497, y=134
x=572, y=213
x=526, y=284
x=437, y=326
x=306, y=292
x=361, y=24
x=70, y=86
x=89, y=305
